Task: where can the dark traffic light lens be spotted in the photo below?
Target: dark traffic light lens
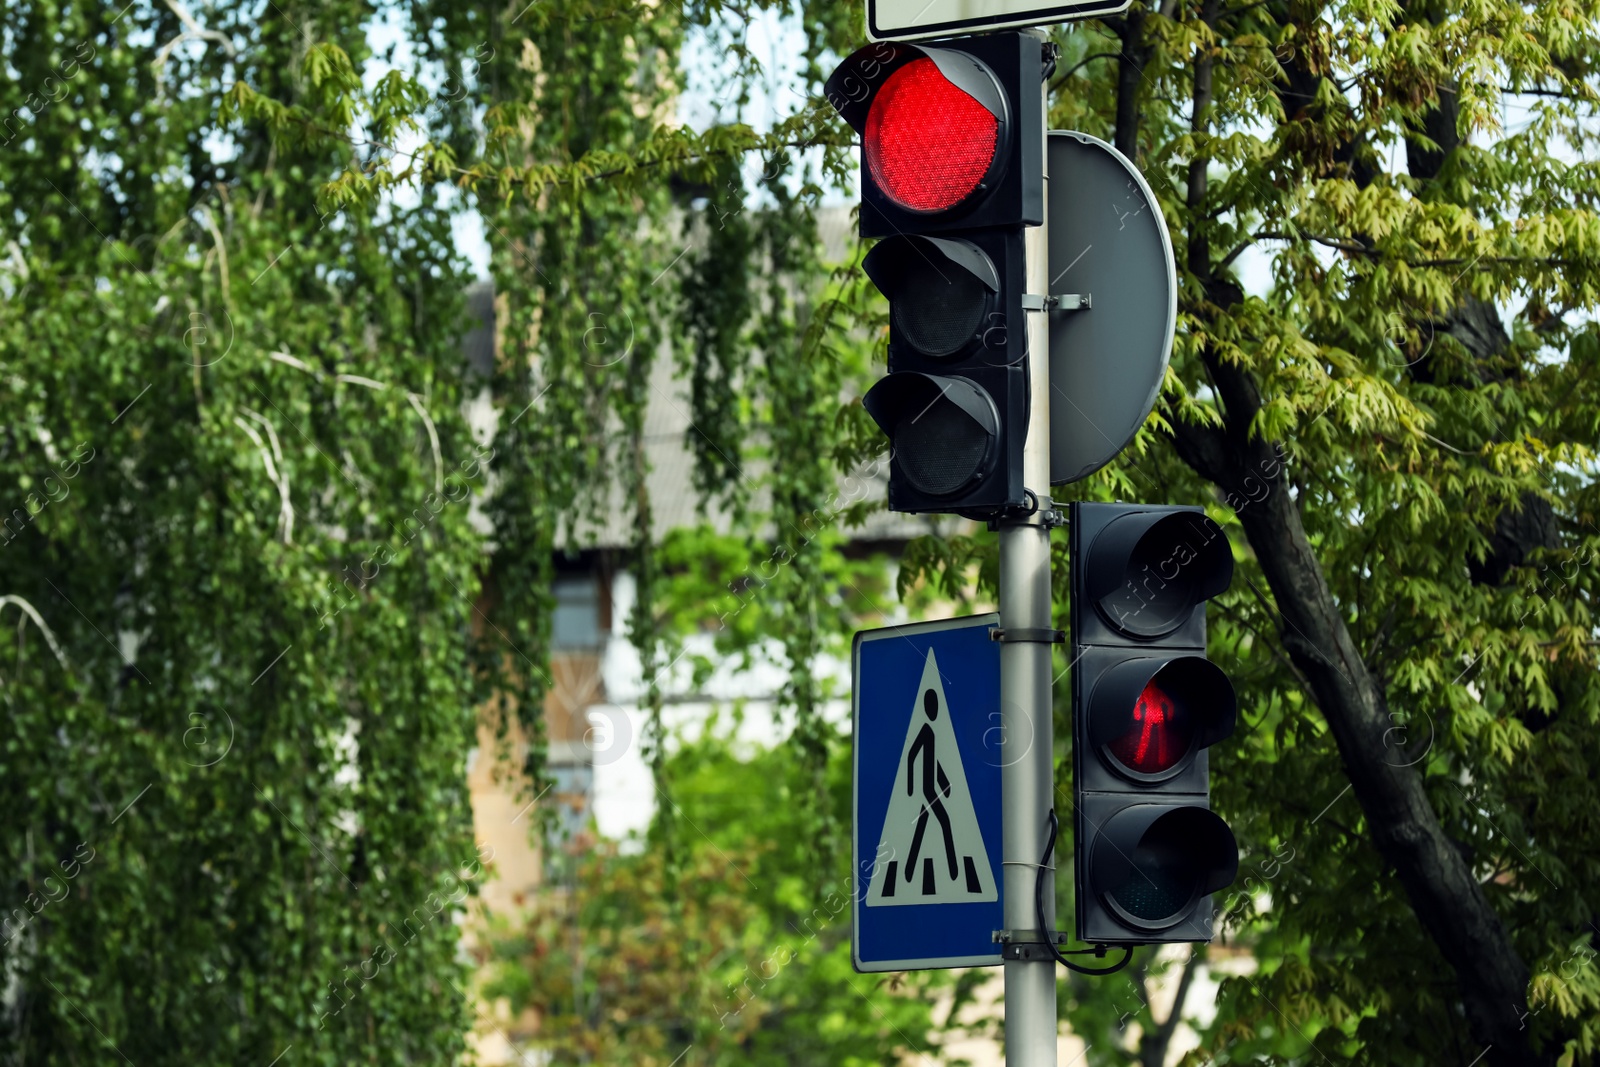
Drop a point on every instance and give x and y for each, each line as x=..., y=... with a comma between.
x=940, y=448
x=1153, y=862
x=1160, y=735
x=942, y=431
x=928, y=143
x=939, y=310
x=1154, y=599
x=1161, y=879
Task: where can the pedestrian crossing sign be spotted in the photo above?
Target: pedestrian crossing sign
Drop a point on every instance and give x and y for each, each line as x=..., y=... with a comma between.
x=927, y=795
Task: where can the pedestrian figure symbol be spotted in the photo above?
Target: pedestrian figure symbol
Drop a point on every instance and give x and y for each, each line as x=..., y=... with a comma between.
x=931, y=849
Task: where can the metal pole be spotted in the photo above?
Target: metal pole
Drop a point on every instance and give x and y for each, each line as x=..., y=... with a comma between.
x=1027, y=777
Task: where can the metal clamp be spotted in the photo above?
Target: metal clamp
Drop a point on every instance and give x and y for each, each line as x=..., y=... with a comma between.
x=1033, y=634
x=1050, y=516
x=1041, y=509
x=1064, y=302
x=1004, y=937
x=1026, y=945
x=1052, y=52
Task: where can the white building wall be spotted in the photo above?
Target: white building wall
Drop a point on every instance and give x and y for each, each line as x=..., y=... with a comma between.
x=624, y=793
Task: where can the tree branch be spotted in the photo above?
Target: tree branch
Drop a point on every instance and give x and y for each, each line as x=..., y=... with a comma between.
x=1130, y=80
x=33, y=613
x=1085, y=61
x=279, y=478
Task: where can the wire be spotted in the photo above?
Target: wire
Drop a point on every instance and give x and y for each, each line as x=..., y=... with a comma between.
x=1048, y=932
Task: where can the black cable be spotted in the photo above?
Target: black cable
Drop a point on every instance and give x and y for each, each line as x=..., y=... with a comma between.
x=1048, y=932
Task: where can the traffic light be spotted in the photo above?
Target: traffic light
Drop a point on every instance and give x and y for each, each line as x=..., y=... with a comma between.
x=1146, y=705
x=953, y=170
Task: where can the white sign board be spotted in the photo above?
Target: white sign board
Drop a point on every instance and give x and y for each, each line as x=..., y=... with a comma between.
x=910, y=20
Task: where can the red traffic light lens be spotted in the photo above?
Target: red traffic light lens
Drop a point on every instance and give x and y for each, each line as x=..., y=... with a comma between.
x=1160, y=734
x=928, y=144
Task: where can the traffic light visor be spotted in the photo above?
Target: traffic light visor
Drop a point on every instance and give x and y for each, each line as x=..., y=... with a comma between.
x=1149, y=716
x=941, y=430
x=928, y=143
x=1153, y=862
x=1147, y=571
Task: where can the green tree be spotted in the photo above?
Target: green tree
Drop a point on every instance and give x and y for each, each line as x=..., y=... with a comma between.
x=1400, y=431
x=719, y=946
x=236, y=483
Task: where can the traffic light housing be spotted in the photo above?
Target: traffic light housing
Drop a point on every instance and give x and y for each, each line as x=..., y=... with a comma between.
x=1146, y=706
x=953, y=170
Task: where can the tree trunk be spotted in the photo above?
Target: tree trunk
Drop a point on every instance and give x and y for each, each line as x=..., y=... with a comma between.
x=1530, y=521
x=1130, y=75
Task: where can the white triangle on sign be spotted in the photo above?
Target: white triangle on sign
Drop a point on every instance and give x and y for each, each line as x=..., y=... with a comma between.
x=931, y=849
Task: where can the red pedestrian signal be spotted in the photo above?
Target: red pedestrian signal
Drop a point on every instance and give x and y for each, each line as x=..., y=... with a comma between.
x=1158, y=736
x=1148, y=714
x=1146, y=706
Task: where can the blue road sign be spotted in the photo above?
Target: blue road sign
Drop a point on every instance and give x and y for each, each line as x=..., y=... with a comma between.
x=927, y=795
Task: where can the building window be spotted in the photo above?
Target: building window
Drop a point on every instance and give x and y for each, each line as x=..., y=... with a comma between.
x=576, y=624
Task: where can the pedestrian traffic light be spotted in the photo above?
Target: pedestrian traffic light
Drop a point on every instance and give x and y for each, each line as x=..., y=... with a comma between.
x=1146, y=705
x=953, y=170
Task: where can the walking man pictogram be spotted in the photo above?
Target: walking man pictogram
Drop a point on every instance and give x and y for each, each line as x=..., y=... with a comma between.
x=935, y=788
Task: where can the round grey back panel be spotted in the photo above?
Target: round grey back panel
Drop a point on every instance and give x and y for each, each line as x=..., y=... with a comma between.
x=1107, y=241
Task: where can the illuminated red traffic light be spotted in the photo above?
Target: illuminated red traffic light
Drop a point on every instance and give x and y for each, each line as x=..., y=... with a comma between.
x=952, y=137
x=928, y=143
x=1160, y=735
